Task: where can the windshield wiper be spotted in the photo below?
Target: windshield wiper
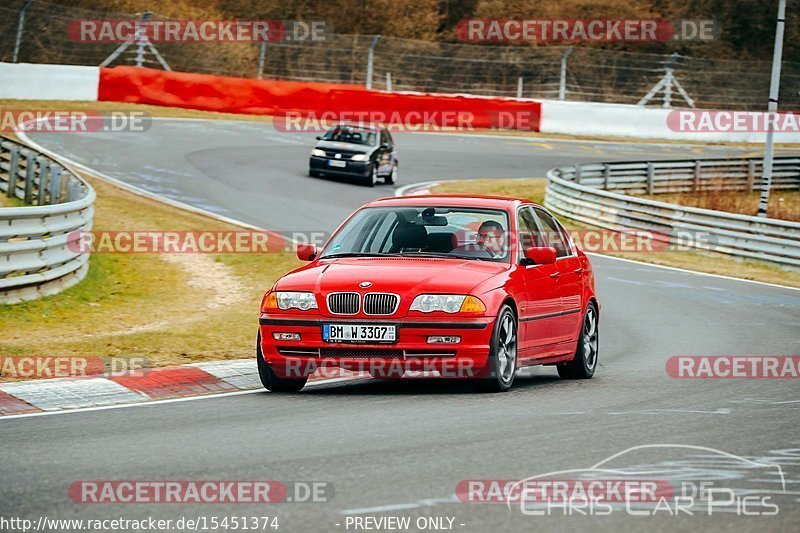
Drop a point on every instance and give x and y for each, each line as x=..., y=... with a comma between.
x=352, y=254
x=444, y=255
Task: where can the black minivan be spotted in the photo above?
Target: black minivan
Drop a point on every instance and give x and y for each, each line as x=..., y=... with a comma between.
x=361, y=151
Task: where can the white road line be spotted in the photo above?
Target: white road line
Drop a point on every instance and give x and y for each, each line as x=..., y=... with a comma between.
x=708, y=274
x=629, y=281
x=170, y=400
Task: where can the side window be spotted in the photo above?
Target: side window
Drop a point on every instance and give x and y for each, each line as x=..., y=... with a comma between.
x=528, y=231
x=552, y=235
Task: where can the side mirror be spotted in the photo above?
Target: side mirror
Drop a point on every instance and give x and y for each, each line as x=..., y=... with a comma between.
x=319, y=137
x=306, y=252
x=540, y=256
x=384, y=145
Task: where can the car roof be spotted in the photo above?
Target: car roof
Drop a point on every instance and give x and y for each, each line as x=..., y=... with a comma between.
x=371, y=127
x=454, y=200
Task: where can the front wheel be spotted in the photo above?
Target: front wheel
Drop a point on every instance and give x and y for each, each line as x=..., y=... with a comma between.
x=502, y=363
x=584, y=363
x=391, y=179
x=373, y=175
x=270, y=380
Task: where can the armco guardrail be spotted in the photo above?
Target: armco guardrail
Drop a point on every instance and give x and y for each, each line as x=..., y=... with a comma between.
x=35, y=258
x=604, y=195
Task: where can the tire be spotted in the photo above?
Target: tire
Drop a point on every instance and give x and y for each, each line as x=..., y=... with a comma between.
x=502, y=363
x=391, y=179
x=584, y=363
x=372, y=179
x=270, y=380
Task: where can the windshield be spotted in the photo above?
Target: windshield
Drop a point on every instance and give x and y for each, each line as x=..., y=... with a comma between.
x=457, y=232
x=352, y=135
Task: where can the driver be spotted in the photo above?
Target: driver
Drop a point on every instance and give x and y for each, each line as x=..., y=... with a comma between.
x=490, y=237
x=490, y=241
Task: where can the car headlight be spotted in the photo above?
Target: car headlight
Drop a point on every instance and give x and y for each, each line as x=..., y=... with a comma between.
x=317, y=152
x=360, y=157
x=449, y=303
x=284, y=300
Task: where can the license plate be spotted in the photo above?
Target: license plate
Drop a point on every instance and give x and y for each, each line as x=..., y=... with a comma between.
x=359, y=333
x=335, y=163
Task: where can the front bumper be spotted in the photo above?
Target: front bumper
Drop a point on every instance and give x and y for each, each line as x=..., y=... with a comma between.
x=410, y=353
x=352, y=168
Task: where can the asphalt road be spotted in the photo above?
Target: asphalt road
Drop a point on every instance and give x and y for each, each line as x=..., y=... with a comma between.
x=400, y=448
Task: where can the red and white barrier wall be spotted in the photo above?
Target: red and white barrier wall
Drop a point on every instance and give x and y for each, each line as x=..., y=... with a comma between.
x=269, y=97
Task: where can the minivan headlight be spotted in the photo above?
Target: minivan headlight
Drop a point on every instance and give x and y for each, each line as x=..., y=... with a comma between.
x=317, y=152
x=360, y=157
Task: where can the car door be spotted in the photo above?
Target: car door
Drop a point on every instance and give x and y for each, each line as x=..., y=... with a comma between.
x=384, y=153
x=570, y=273
x=540, y=312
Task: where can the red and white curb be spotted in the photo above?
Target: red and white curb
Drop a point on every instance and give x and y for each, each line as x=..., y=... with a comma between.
x=157, y=384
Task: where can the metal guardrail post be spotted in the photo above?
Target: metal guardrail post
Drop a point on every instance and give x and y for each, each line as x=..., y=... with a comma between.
x=650, y=177
x=44, y=174
x=262, y=56
x=20, y=29
x=370, y=57
x=606, y=176
x=13, y=171
x=562, y=78
x=578, y=173
x=751, y=174
x=696, y=180
x=55, y=184
x=30, y=176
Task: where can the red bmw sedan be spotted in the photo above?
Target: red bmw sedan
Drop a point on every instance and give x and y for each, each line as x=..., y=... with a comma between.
x=462, y=287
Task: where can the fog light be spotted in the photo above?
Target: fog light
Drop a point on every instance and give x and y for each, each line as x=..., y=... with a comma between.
x=439, y=339
x=286, y=336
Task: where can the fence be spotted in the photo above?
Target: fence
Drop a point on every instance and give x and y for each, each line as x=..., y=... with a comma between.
x=581, y=73
x=35, y=258
x=603, y=195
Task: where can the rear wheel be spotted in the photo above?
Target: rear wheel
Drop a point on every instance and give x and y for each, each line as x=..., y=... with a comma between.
x=502, y=363
x=270, y=380
x=584, y=363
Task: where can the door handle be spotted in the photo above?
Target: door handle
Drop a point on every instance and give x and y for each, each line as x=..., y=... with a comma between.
x=578, y=270
x=555, y=275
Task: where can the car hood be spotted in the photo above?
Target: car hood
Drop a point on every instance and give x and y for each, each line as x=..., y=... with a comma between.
x=335, y=146
x=402, y=275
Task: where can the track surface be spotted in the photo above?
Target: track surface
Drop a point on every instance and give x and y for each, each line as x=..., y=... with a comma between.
x=400, y=448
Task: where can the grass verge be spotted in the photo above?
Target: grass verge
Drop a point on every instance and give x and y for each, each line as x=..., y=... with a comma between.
x=534, y=189
x=167, y=309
